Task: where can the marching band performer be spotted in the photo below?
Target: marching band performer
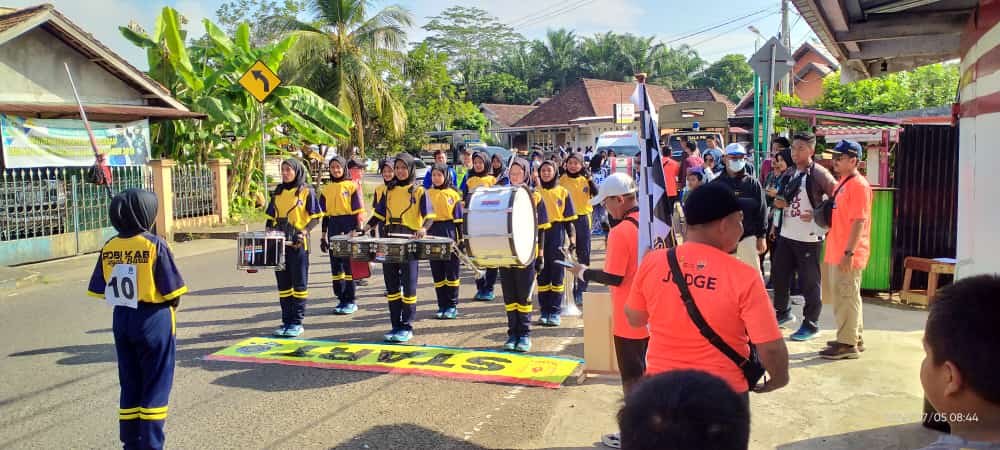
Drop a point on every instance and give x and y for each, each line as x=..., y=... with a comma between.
x=447, y=206
x=404, y=209
x=388, y=171
x=341, y=203
x=561, y=214
x=517, y=282
x=293, y=210
x=481, y=176
x=581, y=188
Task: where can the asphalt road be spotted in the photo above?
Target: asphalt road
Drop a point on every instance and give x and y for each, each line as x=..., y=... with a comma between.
x=60, y=385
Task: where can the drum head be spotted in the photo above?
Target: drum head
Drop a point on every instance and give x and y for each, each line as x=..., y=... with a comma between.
x=522, y=220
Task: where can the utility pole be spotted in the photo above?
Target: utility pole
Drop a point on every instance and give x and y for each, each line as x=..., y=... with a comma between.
x=786, y=37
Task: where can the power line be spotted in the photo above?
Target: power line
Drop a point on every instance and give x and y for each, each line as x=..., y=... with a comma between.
x=545, y=10
x=566, y=9
x=709, y=28
x=738, y=26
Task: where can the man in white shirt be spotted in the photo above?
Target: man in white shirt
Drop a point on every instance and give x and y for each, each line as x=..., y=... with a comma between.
x=800, y=239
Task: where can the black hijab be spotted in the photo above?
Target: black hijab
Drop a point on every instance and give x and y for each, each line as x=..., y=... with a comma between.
x=497, y=172
x=382, y=164
x=300, y=176
x=555, y=177
x=524, y=164
x=133, y=211
x=444, y=169
x=344, y=176
x=583, y=165
x=487, y=168
x=407, y=159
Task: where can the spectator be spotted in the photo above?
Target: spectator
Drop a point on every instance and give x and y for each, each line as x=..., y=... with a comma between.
x=695, y=178
x=463, y=170
x=800, y=240
x=782, y=161
x=712, y=145
x=729, y=295
x=671, y=171
x=440, y=157
x=691, y=158
x=713, y=165
x=684, y=409
x=847, y=248
x=752, y=243
x=961, y=363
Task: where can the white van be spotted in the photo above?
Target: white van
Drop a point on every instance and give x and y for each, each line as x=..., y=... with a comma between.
x=627, y=146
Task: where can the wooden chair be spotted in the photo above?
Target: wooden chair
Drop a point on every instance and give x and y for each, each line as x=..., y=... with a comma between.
x=934, y=268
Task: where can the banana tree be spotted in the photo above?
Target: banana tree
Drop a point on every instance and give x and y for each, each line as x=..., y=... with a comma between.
x=205, y=77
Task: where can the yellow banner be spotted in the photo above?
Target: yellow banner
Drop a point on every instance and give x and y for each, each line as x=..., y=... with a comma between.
x=473, y=365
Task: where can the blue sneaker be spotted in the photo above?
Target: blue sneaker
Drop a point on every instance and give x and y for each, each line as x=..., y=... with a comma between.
x=804, y=334
x=390, y=336
x=480, y=296
x=510, y=344
x=523, y=345
x=439, y=314
x=488, y=296
x=294, y=330
x=349, y=308
x=281, y=331
x=403, y=336
x=338, y=310
x=787, y=319
x=450, y=313
x=555, y=320
x=544, y=319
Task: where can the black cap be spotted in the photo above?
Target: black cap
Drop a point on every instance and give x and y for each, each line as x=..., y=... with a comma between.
x=711, y=202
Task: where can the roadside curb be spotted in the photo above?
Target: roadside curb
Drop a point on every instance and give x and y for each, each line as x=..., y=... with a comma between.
x=12, y=279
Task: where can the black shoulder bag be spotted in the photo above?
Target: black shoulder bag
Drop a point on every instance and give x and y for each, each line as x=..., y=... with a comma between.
x=751, y=366
x=823, y=214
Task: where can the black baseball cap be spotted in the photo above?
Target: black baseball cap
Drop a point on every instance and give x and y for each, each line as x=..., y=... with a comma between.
x=712, y=202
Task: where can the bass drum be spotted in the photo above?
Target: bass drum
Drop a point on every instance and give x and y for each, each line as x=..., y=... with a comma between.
x=500, y=226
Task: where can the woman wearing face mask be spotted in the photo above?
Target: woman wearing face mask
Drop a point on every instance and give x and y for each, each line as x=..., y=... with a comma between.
x=480, y=176
x=294, y=210
x=561, y=214
x=517, y=282
x=447, y=206
x=341, y=203
x=581, y=188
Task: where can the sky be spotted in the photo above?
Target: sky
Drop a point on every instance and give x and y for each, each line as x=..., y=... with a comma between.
x=727, y=20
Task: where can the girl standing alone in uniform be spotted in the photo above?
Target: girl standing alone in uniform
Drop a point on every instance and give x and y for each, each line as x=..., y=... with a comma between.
x=581, y=188
x=403, y=210
x=447, y=205
x=561, y=214
x=518, y=282
x=340, y=201
x=293, y=210
x=481, y=177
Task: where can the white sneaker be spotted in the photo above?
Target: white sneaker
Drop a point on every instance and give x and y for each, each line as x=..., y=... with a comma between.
x=613, y=440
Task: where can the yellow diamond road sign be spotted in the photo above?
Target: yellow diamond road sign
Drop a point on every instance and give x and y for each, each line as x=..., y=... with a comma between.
x=260, y=81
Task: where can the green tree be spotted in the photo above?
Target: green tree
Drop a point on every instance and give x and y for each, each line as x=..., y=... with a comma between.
x=256, y=13
x=558, y=54
x=473, y=40
x=731, y=76
x=338, y=54
x=502, y=87
x=601, y=57
x=924, y=87
x=676, y=68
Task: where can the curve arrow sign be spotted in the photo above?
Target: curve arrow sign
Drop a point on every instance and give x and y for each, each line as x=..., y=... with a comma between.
x=260, y=76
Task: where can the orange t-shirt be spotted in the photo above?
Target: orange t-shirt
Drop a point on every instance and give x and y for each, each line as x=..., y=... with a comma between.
x=729, y=294
x=621, y=260
x=853, y=202
x=671, y=169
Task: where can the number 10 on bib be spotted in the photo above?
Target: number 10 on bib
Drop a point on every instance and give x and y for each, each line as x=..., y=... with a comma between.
x=121, y=288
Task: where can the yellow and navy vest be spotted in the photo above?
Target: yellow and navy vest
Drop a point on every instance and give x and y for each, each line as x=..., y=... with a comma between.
x=558, y=204
x=579, y=190
x=406, y=206
x=340, y=199
x=157, y=278
x=446, y=204
x=472, y=182
x=297, y=205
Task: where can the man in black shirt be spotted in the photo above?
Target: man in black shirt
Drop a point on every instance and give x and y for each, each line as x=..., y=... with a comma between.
x=736, y=176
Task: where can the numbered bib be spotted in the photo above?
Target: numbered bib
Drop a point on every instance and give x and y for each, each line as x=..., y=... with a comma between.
x=121, y=289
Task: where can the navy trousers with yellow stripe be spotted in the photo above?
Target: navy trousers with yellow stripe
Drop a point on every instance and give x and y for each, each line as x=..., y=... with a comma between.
x=340, y=268
x=293, y=286
x=582, y=224
x=517, y=284
x=550, y=278
x=401, y=292
x=145, y=343
x=445, y=273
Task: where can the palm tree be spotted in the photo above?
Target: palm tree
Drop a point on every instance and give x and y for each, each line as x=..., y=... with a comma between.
x=601, y=57
x=559, y=55
x=338, y=56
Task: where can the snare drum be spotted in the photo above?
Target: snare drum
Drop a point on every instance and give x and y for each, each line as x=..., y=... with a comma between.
x=362, y=249
x=394, y=250
x=501, y=227
x=340, y=246
x=260, y=250
x=433, y=248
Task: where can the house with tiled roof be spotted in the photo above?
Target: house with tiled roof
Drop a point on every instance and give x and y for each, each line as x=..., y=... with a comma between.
x=577, y=115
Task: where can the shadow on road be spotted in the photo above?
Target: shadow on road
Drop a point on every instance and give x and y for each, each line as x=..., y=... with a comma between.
x=406, y=435
x=908, y=436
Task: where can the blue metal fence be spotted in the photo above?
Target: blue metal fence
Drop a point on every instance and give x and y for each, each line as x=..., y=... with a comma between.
x=194, y=191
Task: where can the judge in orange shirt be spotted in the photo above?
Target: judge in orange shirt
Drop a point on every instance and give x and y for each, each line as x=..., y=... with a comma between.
x=729, y=294
x=671, y=170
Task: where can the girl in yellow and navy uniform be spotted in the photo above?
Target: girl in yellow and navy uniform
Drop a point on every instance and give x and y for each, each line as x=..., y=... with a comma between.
x=447, y=206
x=340, y=201
x=385, y=167
x=138, y=267
x=581, y=188
x=517, y=282
x=293, y=210
x=481, y=176
x=561, y=213
x=403, y=210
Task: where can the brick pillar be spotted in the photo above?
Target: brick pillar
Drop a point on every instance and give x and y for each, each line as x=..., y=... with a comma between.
x=220, y=172
x=163, y=186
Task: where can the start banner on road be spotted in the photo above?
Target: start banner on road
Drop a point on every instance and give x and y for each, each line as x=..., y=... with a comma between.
x=445, y=362
x=30, y=142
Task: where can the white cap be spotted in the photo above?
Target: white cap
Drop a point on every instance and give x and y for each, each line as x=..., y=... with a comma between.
x=735, y=149
x=616, y=184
